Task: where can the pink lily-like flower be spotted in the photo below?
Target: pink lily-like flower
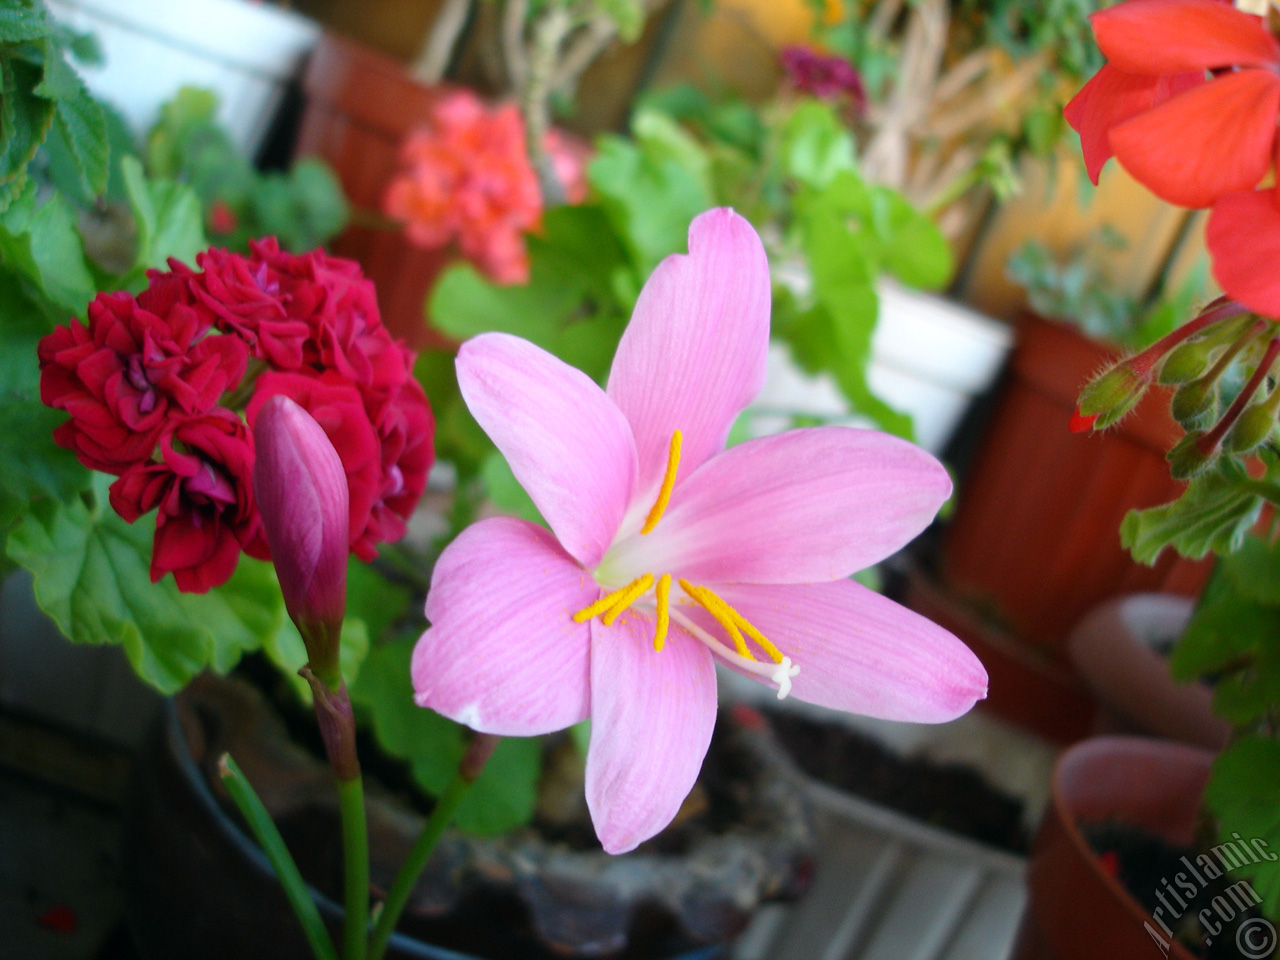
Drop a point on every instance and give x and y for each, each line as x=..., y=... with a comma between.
x=667, y=552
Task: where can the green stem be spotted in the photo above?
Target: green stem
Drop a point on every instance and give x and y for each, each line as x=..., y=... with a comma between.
x=469, y=768
x=268, y=837
x=1262, y=488
x=355, y=854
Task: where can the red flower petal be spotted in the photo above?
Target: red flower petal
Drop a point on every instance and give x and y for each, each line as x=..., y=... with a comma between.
x=1081, y=423
x=1111, y=98
x=1206, y=142
x=60, y=918
x=1166, y=36
x=1244, y=237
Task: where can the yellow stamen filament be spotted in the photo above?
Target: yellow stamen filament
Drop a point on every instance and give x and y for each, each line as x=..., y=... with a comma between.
x=630, y=594
x=734, y=623
x=663, y=593
x=604, y=604
x=722, y=613
x=668, y=482
x=750, y=630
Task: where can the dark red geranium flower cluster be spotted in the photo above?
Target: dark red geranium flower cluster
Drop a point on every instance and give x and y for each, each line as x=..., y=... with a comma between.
x=824, y=76
x=157, y=386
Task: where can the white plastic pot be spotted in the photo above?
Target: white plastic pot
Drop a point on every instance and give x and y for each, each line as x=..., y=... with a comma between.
x=243, y=51
x=930, y=358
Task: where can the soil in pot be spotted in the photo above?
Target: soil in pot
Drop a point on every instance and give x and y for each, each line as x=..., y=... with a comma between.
x=743, y=837
x=1211, y=910
x=952, y=796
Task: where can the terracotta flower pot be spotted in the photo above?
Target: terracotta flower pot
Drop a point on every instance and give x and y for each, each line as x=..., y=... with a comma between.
x=1113, y=651
x=1034, y=541
x=360, y=105
x=1075, y=909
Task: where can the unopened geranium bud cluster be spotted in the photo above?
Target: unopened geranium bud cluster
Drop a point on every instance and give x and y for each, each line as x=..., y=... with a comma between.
x=163, y=390
x=1226, y=394
x=1187, y=102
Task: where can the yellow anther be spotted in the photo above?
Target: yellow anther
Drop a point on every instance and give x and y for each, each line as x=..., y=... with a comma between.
x=722, y=612
x=663, y=593
x=599, y=607
x=668, y=481
x=627, y=596
x=750, y=630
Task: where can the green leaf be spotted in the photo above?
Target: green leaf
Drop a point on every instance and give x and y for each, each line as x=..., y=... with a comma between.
x=373, y=598
x=31, y=464
x=1250, y=693
x=912, y=248
x=627, y=15
x=835, y=334
x=568, y=307
x=91, y=575
x=1224, y=629
x=303, y=209
x=22, y=324
x=170, y=222
x=24, y=123
x=1242, y=792
x=504, y=796
x=816, y=145
x=23, y=22
x=651, y=195
x=1254, y=571
x=1213, y=513
x=505, y=490
x=59, y=81
x=83, y=128
x=43, y=244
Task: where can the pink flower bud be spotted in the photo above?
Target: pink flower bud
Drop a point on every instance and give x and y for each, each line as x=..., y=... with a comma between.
x=302, y=496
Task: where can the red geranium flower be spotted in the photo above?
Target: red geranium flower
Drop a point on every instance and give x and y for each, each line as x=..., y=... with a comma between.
x=405, y=428
x=1187, y=139
x=347, y=334
x=203, y=487
x=465, y=178
x=135, y=366
x=1243, y=235
x=253, y=298
x=822, y=75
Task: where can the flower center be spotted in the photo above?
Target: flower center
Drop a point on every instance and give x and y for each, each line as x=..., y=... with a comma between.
x=737, y=627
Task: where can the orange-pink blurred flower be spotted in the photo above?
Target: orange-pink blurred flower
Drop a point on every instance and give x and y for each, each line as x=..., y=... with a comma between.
x=466, y=178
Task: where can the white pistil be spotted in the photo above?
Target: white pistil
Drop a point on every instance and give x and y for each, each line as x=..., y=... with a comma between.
x=778, y=673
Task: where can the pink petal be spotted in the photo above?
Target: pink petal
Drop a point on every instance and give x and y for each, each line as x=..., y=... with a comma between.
x=1243, y=236
x=1112, y=97
x=862, y=653
x=693, y=355
x=651, y=719
x=1205, y=142
x=502, y=654
x=301, y=489
x=1166, y=36
x=566, y=442
x=804, y=506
